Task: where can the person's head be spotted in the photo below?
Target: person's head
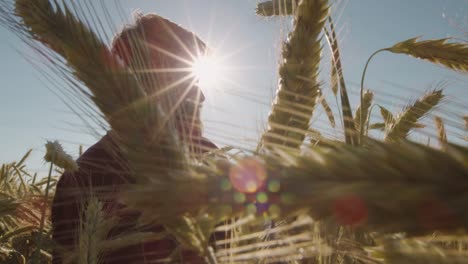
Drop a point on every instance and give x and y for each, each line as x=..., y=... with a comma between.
x=169, y=51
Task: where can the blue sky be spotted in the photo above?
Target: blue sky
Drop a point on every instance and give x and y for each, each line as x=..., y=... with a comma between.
x=235, y=112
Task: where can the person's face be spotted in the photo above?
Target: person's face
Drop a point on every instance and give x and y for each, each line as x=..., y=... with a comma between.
x=186, y=95
x=177, y=76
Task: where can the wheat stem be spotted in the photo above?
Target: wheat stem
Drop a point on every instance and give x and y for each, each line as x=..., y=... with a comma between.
x=442, y=136
x=43, y=212
x=361, y=92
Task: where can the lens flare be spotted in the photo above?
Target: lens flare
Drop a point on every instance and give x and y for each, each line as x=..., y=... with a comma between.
x=248, y=176
x=208, y=70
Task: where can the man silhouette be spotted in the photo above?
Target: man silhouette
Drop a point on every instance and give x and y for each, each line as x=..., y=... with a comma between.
x=103, y=170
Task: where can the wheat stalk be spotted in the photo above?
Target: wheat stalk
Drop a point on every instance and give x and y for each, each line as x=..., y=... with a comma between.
x=442, y=136
x=408, y=119
x=56, y=155
x=93, y=232
x=150, y=146
x=364, y=108
x=347, y=185
x=298, y=76
x=60, y=31
x=350, y=186
x=8, y=205
x=328, y=110
x=339, y=82
x=19, y=199
x=144, y=131
x=387, y=116
x=22, y=206
x=413, y=251
x=451, y=55
x=439, y=51
x=114, y=89
x=276, y=8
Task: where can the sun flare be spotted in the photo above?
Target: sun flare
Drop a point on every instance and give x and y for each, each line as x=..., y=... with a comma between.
x=208, y=70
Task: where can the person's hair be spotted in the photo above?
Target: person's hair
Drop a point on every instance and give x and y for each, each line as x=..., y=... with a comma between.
x=157, y=32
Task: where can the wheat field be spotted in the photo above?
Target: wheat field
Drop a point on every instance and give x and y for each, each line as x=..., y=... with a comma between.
x=389, y=187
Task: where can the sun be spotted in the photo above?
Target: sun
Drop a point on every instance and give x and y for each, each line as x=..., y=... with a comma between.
x=208, y=70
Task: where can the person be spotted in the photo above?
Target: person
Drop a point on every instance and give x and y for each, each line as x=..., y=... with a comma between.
x=103, y=170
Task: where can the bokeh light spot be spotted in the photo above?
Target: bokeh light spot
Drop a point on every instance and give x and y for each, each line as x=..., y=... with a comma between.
x=239, y=197
x=262, y=197
x=251, y=209
x=248, y=176
x=274, y=210
x=226, y=185
x=273, y=186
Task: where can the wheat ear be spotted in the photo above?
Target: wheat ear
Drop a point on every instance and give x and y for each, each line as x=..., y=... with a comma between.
x=114, y=89
x=150, y=146
x=364, y=108
x=61, y=31
x=298, y=77
x=442, y=136
x=416, y=251
x=276, y=8
x=92, y=233
x=348, y=185
x=408, y=119
x=328, y=110
x=439, y=51
x=337, y=74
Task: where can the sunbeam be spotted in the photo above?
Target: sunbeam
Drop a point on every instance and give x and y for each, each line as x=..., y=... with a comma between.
x=209, y=71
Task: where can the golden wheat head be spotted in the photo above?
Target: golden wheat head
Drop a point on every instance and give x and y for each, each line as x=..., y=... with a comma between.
x=298, y=91
x=439, y=51
x=408, y=119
